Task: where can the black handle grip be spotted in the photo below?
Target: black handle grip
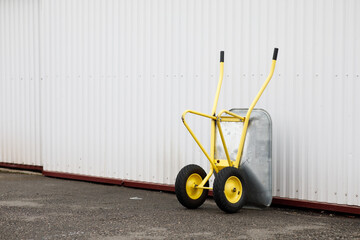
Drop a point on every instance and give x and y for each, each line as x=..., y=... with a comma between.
x=222, y=56
x=275, y=53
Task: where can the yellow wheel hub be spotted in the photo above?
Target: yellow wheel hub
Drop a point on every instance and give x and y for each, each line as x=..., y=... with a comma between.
x=233, y=189
x=192, y=181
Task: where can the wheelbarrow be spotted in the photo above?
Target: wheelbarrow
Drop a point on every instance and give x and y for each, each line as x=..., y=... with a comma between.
x=240, y=156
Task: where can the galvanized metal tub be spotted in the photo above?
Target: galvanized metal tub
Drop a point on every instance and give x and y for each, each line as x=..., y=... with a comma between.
x=257, y=154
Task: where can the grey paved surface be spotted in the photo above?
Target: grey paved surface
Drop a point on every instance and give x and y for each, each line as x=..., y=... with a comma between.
x=36, y=207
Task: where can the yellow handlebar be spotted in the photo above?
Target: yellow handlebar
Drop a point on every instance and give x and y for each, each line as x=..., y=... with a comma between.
x=221, y=75
x=246, y=122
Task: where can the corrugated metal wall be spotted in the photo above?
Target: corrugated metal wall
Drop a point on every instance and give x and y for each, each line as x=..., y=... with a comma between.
x=19, y=82
x=116, y=76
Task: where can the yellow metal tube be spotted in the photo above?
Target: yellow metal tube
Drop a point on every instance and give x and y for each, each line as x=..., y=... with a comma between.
x=262, y=88
x=231, y=114
x=223, y=142
x=197, y=113
x=230, y=119
x=213, y=112
x=221, y=132
x=217, y=94
x=212, y=142
x=202, y=184
x=246, y=123
x=211, y=159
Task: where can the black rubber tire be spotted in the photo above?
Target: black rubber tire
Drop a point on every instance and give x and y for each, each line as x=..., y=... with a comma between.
x=219, y=194
x=180, y=186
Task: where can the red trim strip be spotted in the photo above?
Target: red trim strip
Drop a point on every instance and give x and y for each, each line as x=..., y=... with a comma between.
x=146, y=185
x=83, y=178
x=21, y=166
x=316, y=205
x=276, y=200
x=171, y=188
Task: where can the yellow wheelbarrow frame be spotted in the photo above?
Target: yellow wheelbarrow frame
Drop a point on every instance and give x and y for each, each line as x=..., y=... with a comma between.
x=218, y=164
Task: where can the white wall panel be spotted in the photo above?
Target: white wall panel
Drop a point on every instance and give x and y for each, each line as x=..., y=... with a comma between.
x=117, y=74
x=19, y=82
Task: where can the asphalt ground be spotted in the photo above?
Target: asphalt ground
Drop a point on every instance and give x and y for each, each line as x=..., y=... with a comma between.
x=38, y=207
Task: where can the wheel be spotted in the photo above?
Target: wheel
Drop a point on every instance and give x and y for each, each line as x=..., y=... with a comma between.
x=185, y=190
x=229, y=190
